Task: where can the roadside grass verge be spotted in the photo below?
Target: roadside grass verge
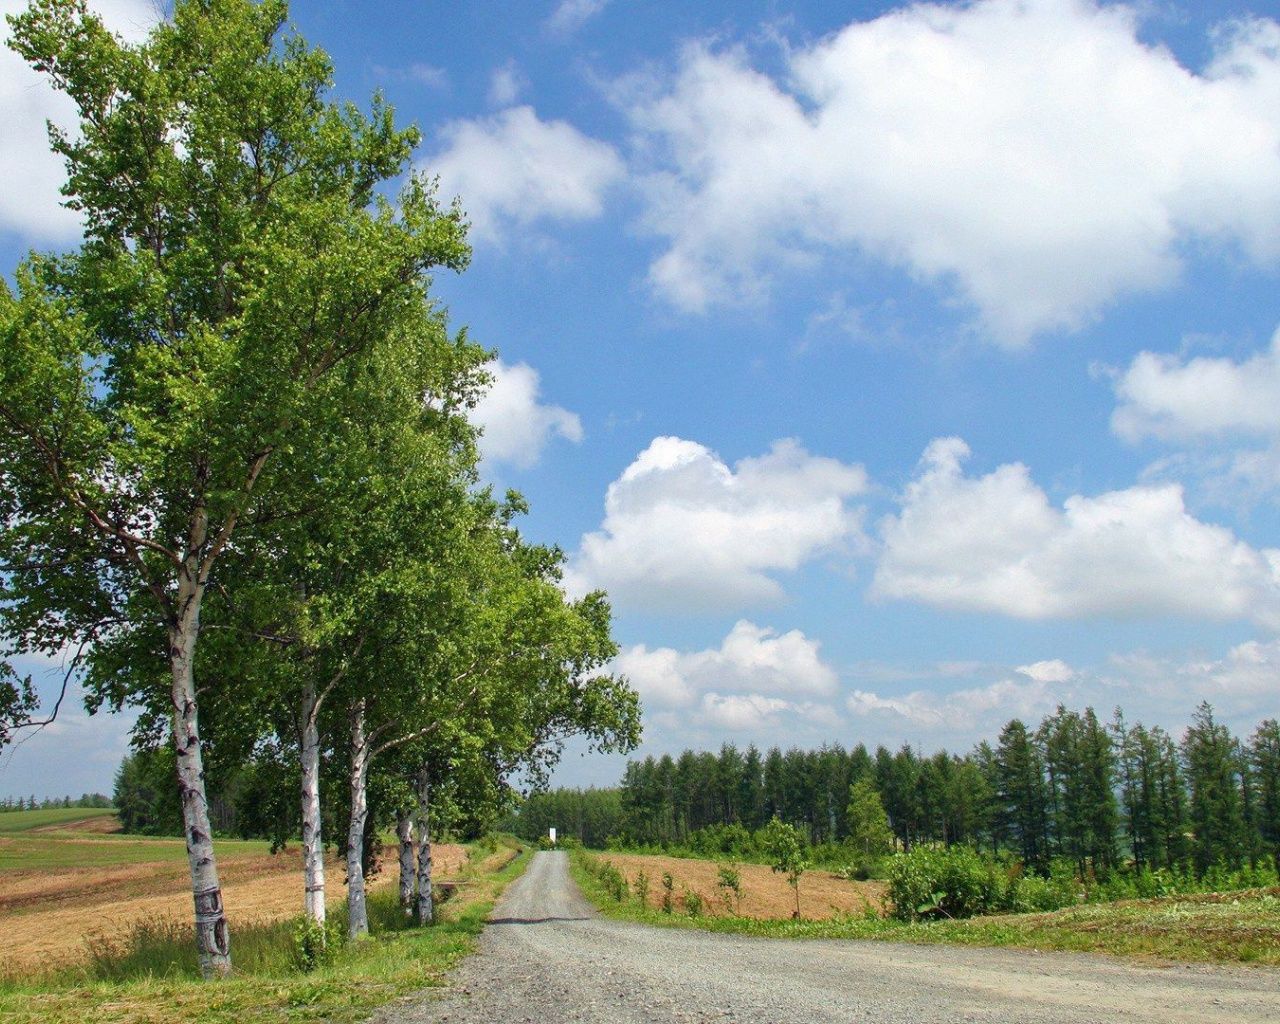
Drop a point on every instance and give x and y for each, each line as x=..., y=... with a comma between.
x=151, y=975
x=1224, y=928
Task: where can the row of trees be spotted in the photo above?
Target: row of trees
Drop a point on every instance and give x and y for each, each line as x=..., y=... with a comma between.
x=1074, y=787
x=591, y=815
x=237, y=479
x=8, y=803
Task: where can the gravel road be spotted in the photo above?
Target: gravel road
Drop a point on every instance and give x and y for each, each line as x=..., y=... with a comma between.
x=546, y=957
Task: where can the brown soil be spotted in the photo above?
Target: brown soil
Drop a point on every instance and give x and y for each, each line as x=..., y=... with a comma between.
x=47, y=919
x=765, y=894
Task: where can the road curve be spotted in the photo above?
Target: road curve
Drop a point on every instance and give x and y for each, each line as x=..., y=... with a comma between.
x=546, y=957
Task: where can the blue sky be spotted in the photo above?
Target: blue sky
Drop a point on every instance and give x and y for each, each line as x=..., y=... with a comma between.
x=897, y=369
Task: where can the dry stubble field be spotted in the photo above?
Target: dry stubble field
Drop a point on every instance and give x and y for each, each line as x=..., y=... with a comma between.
x=766, y=895
x=63, y=883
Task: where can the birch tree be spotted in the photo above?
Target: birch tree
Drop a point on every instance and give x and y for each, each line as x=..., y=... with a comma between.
x=237, y=255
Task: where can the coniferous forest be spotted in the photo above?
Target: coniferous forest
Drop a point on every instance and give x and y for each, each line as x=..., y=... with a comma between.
x=1096, y=793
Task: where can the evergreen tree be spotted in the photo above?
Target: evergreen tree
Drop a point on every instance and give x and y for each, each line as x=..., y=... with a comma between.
x=869, y=830
x=1023, y=795
x=1213, y=777
x=1264, y=756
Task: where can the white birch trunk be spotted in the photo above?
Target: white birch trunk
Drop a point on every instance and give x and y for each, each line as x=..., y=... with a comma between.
x=408, y=881
x=426, y=909
x=312, y=841
x=357, y=911
x=213, y=940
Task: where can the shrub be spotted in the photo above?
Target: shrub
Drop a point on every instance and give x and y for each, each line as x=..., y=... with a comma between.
x=668, y=888
x=612, y=880
x=859, y=870
x=933, y=881
x=642, y=888
x=692, y=903
x=713, y=841
x=730, y=884
x=313, y=944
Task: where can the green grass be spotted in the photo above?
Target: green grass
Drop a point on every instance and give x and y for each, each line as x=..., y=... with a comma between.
x=12, y=822
x=1241, y=927
x=45, y=851
x=152, y=976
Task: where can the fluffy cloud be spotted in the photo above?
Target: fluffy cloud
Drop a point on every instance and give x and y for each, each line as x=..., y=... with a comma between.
x=516, y=425
x=1166, y=397
x=752, y=659
x=1035, y=155
x=31, y=201
x=995, y=543
x=755, y=675
x=514, y=168
x=683, y=529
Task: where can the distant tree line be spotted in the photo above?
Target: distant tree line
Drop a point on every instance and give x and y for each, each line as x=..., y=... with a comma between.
x=591, y=815
x=8, y=803
x=1075, y=788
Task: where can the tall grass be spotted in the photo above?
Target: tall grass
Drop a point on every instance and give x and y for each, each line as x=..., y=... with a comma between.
x=165, y=949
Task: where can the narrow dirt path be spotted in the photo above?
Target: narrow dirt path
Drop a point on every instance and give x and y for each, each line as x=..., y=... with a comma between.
x=546, y=957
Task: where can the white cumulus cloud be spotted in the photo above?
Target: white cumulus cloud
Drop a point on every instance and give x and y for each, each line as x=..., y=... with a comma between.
x=516, y=425
x=753, y=659
x=995, y=543
x=684, y=530
x=31, y=199
x=742, y=712
x=515, y=169
x=1167, y=397
x=753, y=677
x=1036, y=157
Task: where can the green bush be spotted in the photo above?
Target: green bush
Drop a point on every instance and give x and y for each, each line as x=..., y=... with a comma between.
x=613, y=881
x=1037, y=893
x=692, y=903
x=716, y=841
x=933, y=881
x=860, y=869
x=313, y=944
x=729, y=881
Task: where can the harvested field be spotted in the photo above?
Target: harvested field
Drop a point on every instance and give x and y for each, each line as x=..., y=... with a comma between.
x=47, y=914
x=766, y=895
x=103, y=824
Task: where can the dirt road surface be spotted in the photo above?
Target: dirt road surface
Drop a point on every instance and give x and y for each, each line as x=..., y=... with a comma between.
x=546, y=957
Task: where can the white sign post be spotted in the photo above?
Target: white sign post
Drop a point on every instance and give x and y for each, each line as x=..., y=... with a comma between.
x=552, y=833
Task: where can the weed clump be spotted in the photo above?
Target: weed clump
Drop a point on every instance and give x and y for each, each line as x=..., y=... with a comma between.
x=729, y=882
